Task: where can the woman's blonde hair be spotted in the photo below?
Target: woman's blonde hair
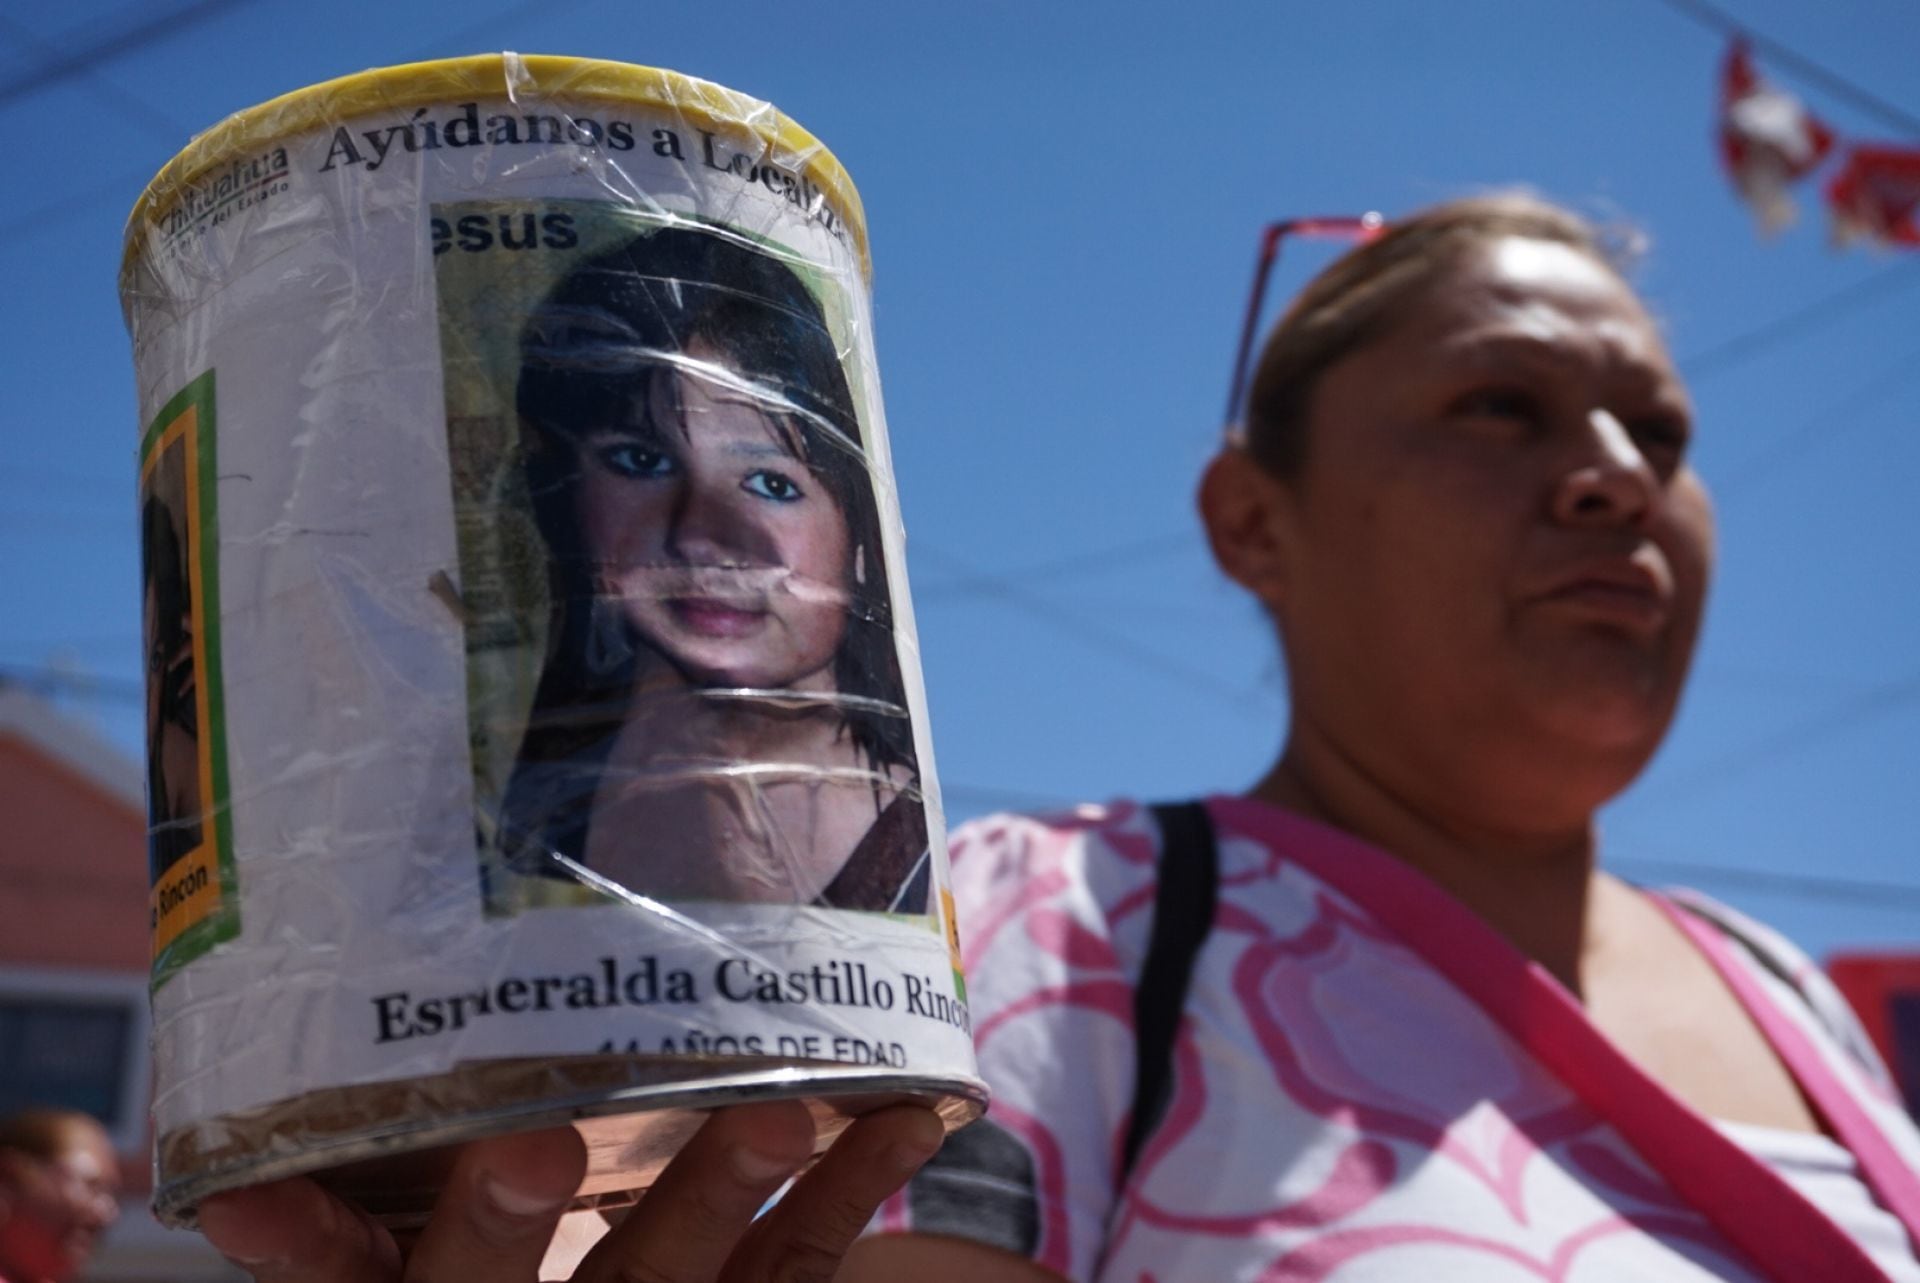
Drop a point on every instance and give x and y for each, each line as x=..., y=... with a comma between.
x=1353, y=301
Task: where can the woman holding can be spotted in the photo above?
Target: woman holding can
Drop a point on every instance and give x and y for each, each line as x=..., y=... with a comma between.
x=1423, y=1034
x=1419, y=1032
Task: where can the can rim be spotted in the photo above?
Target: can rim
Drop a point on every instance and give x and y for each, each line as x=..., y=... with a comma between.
x=960, y=1098
x=545, y=76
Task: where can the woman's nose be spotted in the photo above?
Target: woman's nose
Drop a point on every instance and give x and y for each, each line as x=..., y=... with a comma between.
x=709, y=525
x=698, y=525
x=1610, y=480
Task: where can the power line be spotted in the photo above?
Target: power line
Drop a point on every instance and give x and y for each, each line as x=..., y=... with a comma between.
x=114, y=46
x=1097, y=560
x=994, y=798
x=31, y=526
x=78, y=685
x=1698, y=366
x=1008, y=587
x=1828, y=423
x=1865, y=706
x=1717, y=19
x=457, y=40
x=1739, y=347
x=48, y=216
x=1877, y=894
x=37, y=476
x=1146, y=658
x=1884, y=895
x=128, y=641
x=1880, y=895
x=52, y=215
x=1771, y=681
x=129, y=105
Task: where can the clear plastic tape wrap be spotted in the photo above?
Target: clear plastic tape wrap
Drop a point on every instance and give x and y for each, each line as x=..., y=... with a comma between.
x=535, y=714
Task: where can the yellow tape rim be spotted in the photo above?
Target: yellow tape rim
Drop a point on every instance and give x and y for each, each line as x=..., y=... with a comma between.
x=545, y=77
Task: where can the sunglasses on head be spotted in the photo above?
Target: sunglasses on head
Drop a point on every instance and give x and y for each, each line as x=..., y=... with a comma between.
x=1359, y=228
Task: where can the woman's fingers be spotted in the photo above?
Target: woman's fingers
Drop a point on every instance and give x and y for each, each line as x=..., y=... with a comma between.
x=803, y=1238
x=500, y=1207
x=696, y=1225
x=692, y=1219
x=293, y=1231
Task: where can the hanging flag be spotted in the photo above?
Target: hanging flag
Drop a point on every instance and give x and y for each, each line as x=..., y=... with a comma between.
x=1876, y=195
x=1768, y=139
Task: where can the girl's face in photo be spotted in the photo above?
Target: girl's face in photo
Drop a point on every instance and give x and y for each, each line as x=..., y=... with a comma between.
x=725, y=551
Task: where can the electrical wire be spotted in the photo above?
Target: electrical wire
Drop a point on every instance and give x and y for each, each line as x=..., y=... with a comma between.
x=1092, y=561
x=1697, y=366
x=131, y=106
x=121, y=43
x=1894, y=896
x=1897, y=896
x=454, y=43
x=1747, y=344
x=992, y=797
x=1719, y=20
x=51, y=681
x=15, y=231
x=1832, y=420
x=1241, y=700
x=1875, y=894
x=36, y=525
x=1865, y=706
x=128, y=640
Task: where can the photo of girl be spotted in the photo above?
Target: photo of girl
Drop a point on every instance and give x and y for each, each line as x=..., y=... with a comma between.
x=173, y=729
x=720, y=712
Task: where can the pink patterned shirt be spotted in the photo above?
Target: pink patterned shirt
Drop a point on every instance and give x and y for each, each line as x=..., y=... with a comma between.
x=1369, y=1083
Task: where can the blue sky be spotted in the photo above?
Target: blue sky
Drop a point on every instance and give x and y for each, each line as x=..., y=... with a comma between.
x=1064, y=201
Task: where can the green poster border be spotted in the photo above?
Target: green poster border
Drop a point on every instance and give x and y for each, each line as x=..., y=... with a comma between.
x=223, y=923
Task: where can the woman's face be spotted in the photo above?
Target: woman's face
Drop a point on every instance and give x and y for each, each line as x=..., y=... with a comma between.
x=1497, y=551
x=726, y=553
x=59, y=1207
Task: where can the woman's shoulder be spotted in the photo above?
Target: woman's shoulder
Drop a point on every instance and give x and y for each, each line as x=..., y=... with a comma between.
x=1098, y=820
x=1091, y=845
x=1114, y=848
x=1792, y=969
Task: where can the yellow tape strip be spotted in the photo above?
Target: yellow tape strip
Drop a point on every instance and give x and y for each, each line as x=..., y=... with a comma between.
x=390, y=89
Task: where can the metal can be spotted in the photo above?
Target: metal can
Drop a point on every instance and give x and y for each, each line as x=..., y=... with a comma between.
x=536, y=729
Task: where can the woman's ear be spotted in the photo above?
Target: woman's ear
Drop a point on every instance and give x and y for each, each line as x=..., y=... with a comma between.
x=1244, y=508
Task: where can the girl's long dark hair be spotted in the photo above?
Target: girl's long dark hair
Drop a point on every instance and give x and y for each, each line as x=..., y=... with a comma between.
x=588, y=356
x=164, y=569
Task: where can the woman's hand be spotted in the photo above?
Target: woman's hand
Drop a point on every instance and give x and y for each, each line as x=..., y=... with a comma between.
x=498, y=1215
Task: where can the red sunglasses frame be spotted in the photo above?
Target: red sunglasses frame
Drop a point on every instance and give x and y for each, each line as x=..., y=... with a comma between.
x=1359, y=228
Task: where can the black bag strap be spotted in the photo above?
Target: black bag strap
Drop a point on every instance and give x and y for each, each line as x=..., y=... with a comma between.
x=1182, y=916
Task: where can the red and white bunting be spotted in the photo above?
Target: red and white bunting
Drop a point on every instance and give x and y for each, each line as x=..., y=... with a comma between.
x=1876, y=196
x=1768, y=139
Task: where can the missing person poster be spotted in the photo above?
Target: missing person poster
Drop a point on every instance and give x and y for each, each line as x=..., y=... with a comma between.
x=189, y=848
x=684, y=682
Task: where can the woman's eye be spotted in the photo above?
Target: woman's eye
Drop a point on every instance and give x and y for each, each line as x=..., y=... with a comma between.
x=1662, y=431
x=1497, y=403
x=773, y=485
x=770, y=484
x=632, y=460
